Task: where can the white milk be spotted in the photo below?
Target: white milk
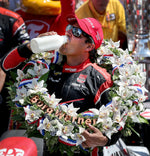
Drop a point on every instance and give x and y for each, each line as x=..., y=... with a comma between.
x=47, y=43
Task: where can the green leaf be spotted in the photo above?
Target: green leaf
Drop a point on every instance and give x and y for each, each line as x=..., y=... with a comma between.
x=143, y=120
x=13, y=75
x=44, y=77
x=134, y=130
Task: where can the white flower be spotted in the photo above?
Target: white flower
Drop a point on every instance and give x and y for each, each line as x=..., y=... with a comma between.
x=112, y=44
x=126, y=70
x=47, y=125
x=133, y=114
x=36, y=86
x=70, y=110
x=115, y=61
x=125, y=58
x=32, y=115
x=138, y=68
x=124, y=92
x=52, y=100
x=20, y=74
x=21, y=94
x=38, y=70
x=138, y=90
x=104, y=51
x=108, y=128
x=119, y=118
x=119, y=111
x=107, y=124
x=124, y=81
x=46, y=56
x=129, y=103
x=139, y=79
x=102, y=113
x=110, y=131
x=64, y=131
x=142, y=97
x=78, y=136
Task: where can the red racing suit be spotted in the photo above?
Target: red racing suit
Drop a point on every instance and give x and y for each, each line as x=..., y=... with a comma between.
x=77, y=84
x=12, y=31
x=86, y=85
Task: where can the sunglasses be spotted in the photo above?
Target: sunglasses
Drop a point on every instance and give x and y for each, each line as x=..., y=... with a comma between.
x=77, y=32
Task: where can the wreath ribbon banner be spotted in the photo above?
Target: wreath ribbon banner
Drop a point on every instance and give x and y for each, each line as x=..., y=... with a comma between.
x=44, y=113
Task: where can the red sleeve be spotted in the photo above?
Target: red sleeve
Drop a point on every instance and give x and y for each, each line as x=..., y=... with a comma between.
x=11, y=60
x=17, y=24
x=15, y=57
x=67, y=7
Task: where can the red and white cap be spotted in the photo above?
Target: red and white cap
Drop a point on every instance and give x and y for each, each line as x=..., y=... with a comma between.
x=91, y=26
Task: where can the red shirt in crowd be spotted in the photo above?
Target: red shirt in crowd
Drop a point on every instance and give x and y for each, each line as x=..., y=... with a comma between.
x=37, y=24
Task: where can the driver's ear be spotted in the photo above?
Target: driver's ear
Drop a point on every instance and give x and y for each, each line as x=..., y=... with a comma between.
x=90, y=46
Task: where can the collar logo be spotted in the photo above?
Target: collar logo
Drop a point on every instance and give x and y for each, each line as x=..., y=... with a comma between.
x=71, y=69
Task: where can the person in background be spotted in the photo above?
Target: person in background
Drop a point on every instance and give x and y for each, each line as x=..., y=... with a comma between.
x=80, y=81
x=4, y=4
x=123, y=2
x=14, y=4
x=111, y=14
x=36, y=24
x=79, y=3
x=40, y=20
x=12, y=33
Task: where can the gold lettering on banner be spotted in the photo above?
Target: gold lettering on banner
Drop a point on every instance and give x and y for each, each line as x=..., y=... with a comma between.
x=88, y=121
x=40, y=104
x=34, y=99
x=61, y=114
x=67, y=117
x=44, y=107
x=80, y=120
x=74, y=118
x=49, y=110
x=94, y=121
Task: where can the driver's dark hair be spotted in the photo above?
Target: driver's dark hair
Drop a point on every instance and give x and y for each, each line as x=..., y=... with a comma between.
x=93, y=53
